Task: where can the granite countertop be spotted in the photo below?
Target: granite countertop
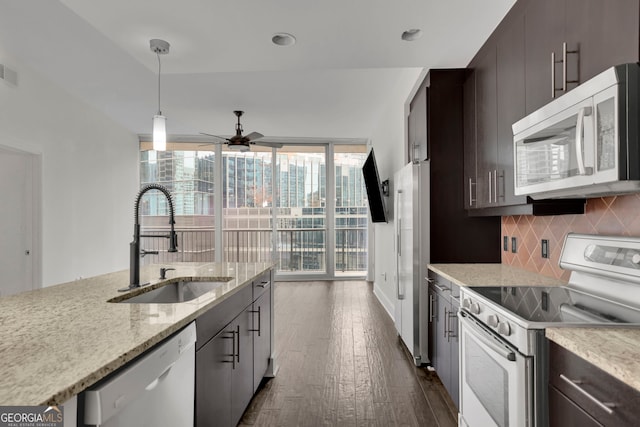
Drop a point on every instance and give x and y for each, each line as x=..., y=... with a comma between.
x=57, y=341
x=614, y=350
x=492, y=275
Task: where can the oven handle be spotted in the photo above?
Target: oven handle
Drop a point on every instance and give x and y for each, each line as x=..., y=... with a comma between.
x=481, y=334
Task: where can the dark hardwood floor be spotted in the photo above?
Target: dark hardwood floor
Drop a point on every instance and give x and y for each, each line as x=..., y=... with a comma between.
x=341, y=363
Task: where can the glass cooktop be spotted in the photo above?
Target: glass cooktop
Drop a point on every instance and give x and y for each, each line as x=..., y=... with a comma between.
x=557, y=304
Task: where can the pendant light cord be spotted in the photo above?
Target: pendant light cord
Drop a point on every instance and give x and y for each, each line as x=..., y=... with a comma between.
x=159, y=70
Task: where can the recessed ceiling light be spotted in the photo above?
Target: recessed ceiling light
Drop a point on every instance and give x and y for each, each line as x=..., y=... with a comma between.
x=411, y=35
x=283, y=39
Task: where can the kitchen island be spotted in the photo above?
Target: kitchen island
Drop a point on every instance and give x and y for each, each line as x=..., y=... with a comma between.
x=57, y=341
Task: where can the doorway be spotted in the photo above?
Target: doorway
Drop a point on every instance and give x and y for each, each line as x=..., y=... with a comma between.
x=19, y=221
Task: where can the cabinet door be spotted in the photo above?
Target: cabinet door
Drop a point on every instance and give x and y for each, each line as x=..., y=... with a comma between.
x=261, y=337
x=510, y=73
x=486, y=126
x=469, y=123
x=242, y=374
x=605, y=33
x=442, y=363
x=454, y=343
x=418, y=126
x=544, y=33
x=213, y=380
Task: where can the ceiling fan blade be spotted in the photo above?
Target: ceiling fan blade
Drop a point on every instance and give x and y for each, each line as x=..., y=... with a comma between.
x=215, y=136
x=253, y=136
x=269, y=144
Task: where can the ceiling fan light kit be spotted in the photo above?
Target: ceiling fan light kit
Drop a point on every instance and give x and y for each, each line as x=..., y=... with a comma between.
x=159, y=47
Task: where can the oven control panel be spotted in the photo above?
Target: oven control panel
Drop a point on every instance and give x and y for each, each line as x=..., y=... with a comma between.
x=501, y=323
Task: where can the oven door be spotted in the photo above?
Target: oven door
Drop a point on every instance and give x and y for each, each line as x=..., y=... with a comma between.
x=496, y=381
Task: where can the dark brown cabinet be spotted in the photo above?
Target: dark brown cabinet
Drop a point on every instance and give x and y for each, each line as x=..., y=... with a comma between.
x=510, y=88
x=486, y=131
x=598, y=34
x=581, y=394
x=417, y=149
x=511, y=76
x=450, y=226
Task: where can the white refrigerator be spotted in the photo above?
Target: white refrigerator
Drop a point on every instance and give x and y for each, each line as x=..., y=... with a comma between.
x=411, y=221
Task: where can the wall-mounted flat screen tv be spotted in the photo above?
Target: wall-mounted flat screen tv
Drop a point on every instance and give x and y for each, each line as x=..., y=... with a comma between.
x=377, y=205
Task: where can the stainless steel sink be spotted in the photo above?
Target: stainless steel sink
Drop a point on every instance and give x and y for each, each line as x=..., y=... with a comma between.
x=174, y=292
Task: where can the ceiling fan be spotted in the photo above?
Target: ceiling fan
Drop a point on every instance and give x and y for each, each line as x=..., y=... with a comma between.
x=238, y=141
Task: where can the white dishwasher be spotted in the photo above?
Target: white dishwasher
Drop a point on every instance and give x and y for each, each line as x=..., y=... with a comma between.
x=154, y=391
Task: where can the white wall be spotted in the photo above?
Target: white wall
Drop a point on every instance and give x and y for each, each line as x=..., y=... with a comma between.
x=388, y=141
x=89, y=175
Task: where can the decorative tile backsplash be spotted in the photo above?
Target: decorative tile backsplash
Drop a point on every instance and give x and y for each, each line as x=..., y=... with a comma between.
x=616, y=216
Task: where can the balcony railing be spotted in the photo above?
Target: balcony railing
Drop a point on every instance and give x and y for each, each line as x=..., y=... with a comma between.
x=297, y=250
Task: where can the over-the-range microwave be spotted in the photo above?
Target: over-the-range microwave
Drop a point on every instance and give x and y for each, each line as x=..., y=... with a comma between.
x=584, y=143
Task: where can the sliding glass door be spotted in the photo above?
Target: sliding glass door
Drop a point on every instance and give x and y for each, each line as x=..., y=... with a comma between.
x=301, y=198
x=300, y=206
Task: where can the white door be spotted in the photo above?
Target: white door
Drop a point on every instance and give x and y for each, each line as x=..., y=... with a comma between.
x=404, y=255
x=16, y=221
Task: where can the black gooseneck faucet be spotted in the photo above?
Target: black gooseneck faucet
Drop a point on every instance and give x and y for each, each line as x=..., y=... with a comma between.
x=134, y=247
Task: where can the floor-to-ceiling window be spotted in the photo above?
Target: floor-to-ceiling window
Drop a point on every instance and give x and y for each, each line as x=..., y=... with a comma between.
x=276, y=205
x=351, y=211
x=301, y=217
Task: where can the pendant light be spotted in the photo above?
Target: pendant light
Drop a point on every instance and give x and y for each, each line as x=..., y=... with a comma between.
x=159, y=47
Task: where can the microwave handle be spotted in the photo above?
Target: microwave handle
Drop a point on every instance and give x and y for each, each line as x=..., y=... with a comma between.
x=584, y=111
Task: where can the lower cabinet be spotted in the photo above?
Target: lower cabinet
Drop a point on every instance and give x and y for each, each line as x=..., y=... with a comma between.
x=231, y=364
x=443, y=318
x=213, y=379
x=581, y=394
x=224, y=374
x=261, y=337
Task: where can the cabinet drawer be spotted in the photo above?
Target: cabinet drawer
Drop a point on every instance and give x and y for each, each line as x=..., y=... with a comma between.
x=261, y=285
x=211, y=322
x=564, y=412
x=600, y=395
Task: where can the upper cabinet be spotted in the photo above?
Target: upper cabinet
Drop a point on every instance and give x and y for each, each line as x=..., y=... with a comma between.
x=569, y=41
x=542, y=49
x=417, y=127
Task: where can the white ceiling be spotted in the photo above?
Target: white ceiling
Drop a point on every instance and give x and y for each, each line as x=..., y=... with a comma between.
x=332, y=83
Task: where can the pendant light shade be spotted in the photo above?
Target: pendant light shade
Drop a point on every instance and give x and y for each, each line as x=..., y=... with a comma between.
x=159, y=47
x=159, y=132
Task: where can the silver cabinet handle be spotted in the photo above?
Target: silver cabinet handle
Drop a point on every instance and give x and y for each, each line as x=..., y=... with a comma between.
x=446, y=324
x=259, y=321
x=237, y=332
x=431, y=312
x=495, y=186
x=264, y=284
x=452, y=315
x=564, y=67
x=441, y=288
x=472, y=186
x=233, y=346
x=553, y=75
x=575, y=384
x=584, y=111
x=490, y=197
